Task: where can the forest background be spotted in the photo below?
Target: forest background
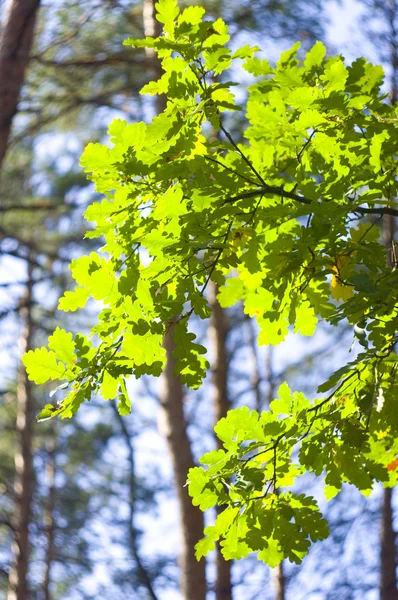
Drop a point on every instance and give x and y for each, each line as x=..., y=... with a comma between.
x=95, y=507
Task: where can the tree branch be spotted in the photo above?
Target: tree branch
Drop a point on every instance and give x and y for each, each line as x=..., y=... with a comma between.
x=277, y=191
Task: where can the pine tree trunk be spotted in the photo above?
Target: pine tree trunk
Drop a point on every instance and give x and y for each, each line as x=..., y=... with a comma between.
x=279, y=582
x=388, y=550
x=222, y=404
x=279, y=572
x=193, y=578
x=388, y=562
x=18, y=585
x=256, y=374
x=152, y=28
x=16, y=38
x=388, y=567
x=391, y=8
x=49, y=523
x=142, y=572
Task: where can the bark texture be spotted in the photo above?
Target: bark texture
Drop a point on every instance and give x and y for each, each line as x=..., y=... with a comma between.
x=16, y=36
x=193, y=578
x=256, y=374
x=279, y=571
x=142, y=572
x=391, y=13
x=193, y=573
x=24, y=476
x=388, y=550
x=152, y=28
x=49, y=521
x=222, y=404
x=279, y=582
x=388, y=577
x=388, y=562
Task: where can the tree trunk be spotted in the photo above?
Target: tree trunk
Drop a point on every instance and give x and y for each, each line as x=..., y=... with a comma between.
x=388, y=578
x=263, y=402
x=18, y=585
x=279, y=571
x=388, y=566
x=279, y=581
x=49, y=523
x=193, y=579
x=391, y=9
x=16, y=38
x=152, y=28
x=222, y=404
x=143, y=574
x=388, y=551
x=256, y=374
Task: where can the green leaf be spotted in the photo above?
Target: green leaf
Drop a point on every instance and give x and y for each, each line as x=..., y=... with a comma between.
x=42, y=366
x=288, y=57
x=192, y=15
x=315, y=56
x=335, y=75
x=202, y=496
x=48, y=412
x=363, y=283
x=71, y=301
x=144, y=349
x=191, y=365
x=109, y=386
x=331, y=491
x=71, y=403
x=124, y=403
x=250, y=256
x=63, y=345
x=284, y=404
x=257, y=66
x=272, y=555
x=166, y=13
x=204, y=546
x=375, y=149
x=231, y=293
x=306, y=320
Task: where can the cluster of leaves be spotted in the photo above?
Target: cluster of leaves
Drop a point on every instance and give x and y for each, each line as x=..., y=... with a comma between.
x=277, y=222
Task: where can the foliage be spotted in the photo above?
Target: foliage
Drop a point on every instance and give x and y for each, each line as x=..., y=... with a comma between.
x=286, y=223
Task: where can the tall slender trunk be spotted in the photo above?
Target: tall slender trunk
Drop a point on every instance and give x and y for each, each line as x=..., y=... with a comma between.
x=193, y=573
x=23, y=487
x=256, y=374
x=49, y=521
x=143, y=574
x=16, y=38
x=388, y=567
x=222, y=404
x=279, y=581
x=278, y=574
x=388, y=551
x=152, y=28
x=193, y=578
x=391, y=9
x=270, y=375
x=279, y=571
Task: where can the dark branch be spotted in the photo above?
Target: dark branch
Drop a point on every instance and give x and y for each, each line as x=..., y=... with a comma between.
x=38, y=206
x=266, y=190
